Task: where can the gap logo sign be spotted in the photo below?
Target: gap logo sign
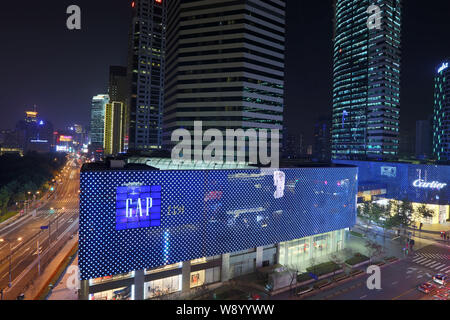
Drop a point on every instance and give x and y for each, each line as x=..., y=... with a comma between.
x=138, y=206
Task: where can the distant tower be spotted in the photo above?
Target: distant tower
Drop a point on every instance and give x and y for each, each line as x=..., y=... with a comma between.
x=98, y=120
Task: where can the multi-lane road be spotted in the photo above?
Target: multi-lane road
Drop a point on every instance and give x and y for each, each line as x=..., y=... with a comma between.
x=27, y=240
x=400, y=280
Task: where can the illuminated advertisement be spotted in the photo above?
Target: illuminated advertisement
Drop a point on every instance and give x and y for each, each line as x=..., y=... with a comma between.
x=138, y=207
x=419, y=183
x=133, y=220
x=65, y=138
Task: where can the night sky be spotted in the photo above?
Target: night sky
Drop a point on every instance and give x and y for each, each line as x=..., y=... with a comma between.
x=43, y=63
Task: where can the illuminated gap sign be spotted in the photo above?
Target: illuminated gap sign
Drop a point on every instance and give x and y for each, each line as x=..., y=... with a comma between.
x=138, y=207
x=429, y=185
x=443, y=67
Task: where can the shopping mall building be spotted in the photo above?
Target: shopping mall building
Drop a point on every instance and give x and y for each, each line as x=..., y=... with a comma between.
x=152, y=227
x=418, y=183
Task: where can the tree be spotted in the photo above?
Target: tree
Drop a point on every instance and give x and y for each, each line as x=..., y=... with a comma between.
x=425, y=212
x=404, y=212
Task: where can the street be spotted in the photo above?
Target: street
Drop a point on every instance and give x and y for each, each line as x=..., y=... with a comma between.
x=59, y=213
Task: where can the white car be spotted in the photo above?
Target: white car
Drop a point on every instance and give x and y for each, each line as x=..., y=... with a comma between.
x=440, y=279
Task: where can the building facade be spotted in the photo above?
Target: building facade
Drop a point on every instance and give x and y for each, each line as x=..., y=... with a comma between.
x=97, y=132
x=114, y=120
x=417, y=183
x=118, y=92
x=441, y=119
x=366, y=80
x=225, y=65
x=146, y=75
x=142, y=234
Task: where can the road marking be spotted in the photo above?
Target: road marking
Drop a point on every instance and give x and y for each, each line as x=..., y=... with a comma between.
x=419, y=277
x=394, y=283
x=363, y=297
x=445, y=268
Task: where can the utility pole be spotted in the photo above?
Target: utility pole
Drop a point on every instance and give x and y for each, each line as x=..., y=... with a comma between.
x=39, y=254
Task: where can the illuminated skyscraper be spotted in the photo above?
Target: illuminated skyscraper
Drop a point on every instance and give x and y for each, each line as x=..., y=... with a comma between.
x=98, y=120
x=366, y=80
x=146, y=74
x=441, y=119
x=225, y=65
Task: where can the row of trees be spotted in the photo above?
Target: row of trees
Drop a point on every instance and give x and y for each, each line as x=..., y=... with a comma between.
x=394, y=215
x=21, y=175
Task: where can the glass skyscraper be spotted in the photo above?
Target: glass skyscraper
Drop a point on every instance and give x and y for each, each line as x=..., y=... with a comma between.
x=366, y=80
x=98, y=120
x=225, y=65
x=441, y=119
x=146, y=74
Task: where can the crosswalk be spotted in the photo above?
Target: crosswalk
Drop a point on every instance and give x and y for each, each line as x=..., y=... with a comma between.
x=435, y=256
x=437, y=266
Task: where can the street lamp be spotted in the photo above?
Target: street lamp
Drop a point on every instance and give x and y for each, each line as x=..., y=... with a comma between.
x=10, y=256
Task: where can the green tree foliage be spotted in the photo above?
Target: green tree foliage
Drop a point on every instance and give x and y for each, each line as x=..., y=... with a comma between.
x=424, y=212
x=20, y=175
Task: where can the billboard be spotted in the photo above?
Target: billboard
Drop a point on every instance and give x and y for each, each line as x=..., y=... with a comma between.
x=419, y=183
x=133, y=220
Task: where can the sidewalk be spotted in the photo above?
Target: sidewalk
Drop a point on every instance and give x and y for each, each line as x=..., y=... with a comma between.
x=39, y=284
x=434, y=228
x=60, y=291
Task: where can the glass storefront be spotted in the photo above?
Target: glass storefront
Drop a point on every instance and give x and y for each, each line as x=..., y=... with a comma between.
x=300, y=254
x=162, y=287
x=125, y=293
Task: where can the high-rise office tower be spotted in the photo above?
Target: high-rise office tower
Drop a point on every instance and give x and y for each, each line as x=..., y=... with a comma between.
x=98, y=120
x=146, y=74
x=366, y=79
x=225, y=65
x=441, y=119
x=113, y=137
x=118, y=92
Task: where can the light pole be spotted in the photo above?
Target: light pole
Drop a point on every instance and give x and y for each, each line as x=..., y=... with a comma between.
x=10, y=258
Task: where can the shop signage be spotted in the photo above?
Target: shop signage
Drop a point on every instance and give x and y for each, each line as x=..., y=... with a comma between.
x=419, y=183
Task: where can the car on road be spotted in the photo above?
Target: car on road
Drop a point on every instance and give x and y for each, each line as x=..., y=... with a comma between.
x=427, y=287
x=441, y=279
x=439, y=297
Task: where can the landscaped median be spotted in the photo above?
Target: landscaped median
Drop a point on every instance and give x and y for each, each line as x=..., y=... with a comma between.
x=358, y=260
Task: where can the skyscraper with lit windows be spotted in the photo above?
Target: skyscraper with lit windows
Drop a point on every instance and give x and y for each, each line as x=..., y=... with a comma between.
x=441, y=118
x=366, y=80
x=225, y=65
x=146, y=75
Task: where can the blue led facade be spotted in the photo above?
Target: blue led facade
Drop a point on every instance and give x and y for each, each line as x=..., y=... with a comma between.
x=207, y=213
x=399, y=180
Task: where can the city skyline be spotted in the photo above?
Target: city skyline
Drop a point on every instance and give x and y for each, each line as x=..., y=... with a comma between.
x=418, y=62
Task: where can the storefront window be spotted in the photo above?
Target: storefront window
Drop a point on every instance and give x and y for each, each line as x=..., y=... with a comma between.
x=162, y=287
x=197, y=278
x=124, y=293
